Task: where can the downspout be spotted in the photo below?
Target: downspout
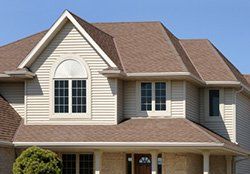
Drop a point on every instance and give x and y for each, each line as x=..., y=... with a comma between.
x=246, y=158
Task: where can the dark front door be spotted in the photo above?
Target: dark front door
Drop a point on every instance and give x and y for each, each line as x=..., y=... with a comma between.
x=142, y=163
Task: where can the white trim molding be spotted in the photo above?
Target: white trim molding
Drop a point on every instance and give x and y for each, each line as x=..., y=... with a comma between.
x=66, y=16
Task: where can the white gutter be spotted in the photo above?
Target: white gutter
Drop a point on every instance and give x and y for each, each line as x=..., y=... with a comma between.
x=119, y=144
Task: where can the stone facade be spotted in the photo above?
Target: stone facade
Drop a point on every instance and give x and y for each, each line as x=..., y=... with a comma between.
x=113, y=163
x=7, y=158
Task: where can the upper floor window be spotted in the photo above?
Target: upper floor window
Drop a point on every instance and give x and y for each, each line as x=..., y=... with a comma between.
x=153, y=96
x=70, y=88
x=214, y=103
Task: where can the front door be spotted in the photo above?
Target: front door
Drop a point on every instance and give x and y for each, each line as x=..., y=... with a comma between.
x=142, y=163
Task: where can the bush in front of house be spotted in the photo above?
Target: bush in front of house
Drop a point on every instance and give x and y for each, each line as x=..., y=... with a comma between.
x=35, y=160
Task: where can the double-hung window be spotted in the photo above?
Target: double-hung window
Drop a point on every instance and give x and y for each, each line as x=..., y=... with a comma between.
x=70, y=88
x=153, y=96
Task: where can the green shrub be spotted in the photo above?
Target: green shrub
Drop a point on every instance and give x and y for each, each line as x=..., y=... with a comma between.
x=35, y=160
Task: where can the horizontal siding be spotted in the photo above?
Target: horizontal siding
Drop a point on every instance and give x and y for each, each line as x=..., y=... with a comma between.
x=177, y=99
x=70, y=41
x=14, y=94
x=243, y=129
x=192, y=102
x=130, y=99
x=223, y=126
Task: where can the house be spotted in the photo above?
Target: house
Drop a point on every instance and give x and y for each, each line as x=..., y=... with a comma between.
x=123, y=98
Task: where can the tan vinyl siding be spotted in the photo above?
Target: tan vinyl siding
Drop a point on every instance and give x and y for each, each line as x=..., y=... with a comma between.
x=192, y=102
x=223, y=125
x=129, y=99
x=243, y=129
x=177, y=99
x=70, y=41
x=14, y=94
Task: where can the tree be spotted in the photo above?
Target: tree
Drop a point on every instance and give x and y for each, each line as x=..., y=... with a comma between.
x=35, y=160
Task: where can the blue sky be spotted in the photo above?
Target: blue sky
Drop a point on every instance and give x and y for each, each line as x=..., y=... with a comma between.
x=225, y=22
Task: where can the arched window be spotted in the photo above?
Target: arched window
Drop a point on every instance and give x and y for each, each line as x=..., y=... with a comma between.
x=70, y=87
x=144, y=160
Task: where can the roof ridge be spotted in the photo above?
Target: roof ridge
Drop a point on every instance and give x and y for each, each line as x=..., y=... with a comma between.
x=163, y=28
x=194, y=125
x=27, y=37
x=125, y=22
x=74, y=15
x=191, y=60
x=220, y=58
x=184, y=58
x=119, y=56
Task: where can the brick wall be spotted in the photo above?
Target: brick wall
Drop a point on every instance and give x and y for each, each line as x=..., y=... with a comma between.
x=7, y=158
x=113, y=163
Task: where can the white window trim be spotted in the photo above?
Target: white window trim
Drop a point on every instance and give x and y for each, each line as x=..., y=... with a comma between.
x=167, y=112
x=70, y=115
x=221, y=107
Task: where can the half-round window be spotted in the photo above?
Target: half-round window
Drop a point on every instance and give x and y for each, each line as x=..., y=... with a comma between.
x=144, y=160
x=70, y=87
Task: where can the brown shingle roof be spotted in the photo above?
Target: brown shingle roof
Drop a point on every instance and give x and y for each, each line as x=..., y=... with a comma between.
x=141, y=47
x=133, y=130
x=9, y=120
x=247, y=77
x=12, y=54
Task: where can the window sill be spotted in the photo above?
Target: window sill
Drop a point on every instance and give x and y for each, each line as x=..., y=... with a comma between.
x=70, y=116
x=153, y=113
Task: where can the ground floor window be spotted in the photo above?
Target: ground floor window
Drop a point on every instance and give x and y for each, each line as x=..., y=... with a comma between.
x=78, y=163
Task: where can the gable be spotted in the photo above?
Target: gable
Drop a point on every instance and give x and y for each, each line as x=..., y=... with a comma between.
x=69, y=43
x=59, y=24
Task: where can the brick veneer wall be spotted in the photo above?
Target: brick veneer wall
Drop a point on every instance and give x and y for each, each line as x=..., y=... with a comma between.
x=113, y=163
x=191, y=164
x=7, y=158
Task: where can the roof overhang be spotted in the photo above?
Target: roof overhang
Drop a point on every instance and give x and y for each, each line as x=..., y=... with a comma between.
x=17, y=74
x=5, y=143
x=66, y=16
x=142, y=145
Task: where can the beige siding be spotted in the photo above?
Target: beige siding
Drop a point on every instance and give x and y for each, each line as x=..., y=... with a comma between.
x=243, y=129
x=192, y=102
x=177, y=99
x=14, y=94
x=129, y=99
x=103, y=92
x=223, y=125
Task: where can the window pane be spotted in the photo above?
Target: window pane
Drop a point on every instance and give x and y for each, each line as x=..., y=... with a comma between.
x=61, y=96
x=69, y=163
x=159, y=164
x=86, y=163
x=160, y=96
x=214, y=102
x=79, y=96
x=129, y=164
x=146, y=96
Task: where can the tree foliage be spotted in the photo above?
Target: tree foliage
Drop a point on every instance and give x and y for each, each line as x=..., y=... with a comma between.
x=35, y=160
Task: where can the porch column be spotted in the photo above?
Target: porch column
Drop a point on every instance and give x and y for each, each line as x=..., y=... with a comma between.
x=98, y=161
x=154, y=162
x=206, y=162
x=229, y=164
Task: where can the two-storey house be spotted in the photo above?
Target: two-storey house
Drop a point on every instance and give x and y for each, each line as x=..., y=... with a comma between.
x=123, y=98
